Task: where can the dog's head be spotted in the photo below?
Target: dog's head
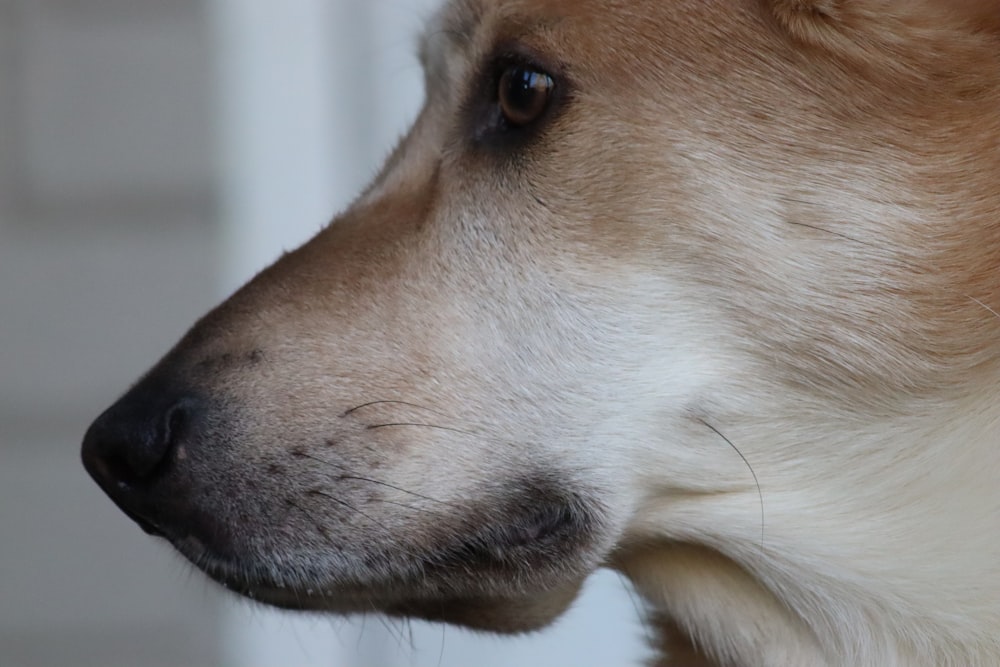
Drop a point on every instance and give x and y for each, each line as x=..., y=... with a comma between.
x=614, y=227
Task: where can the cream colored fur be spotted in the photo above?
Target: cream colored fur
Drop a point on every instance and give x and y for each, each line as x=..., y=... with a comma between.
x=730, y=311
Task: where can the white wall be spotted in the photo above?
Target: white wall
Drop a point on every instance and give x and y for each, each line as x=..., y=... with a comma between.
x=106, y=245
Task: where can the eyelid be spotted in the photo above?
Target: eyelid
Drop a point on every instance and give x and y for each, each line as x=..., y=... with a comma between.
x=481, y=106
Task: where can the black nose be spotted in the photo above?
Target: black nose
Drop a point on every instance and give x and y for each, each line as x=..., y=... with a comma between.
x=132, y=443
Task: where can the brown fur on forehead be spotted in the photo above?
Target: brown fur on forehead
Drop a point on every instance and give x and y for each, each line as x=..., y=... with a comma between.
x=700, y=50
x=904, y=31
x=895, y=35
x=888, y=232
x=980, y=15
x=624, y=33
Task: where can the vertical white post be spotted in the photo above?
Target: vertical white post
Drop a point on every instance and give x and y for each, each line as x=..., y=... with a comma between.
x=293, y=147
x=294, y=102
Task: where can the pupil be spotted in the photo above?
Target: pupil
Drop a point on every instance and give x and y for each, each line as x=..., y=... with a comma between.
x=525, y=88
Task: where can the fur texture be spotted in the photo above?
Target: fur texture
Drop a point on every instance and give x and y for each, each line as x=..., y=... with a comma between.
x=725, y=317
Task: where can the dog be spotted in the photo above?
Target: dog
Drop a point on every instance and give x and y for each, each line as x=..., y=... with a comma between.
x=706, y=292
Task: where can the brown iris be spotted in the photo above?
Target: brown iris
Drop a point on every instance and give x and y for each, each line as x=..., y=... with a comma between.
x=524, y=94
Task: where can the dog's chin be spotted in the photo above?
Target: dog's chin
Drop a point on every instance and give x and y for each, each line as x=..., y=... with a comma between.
x=508, y=615
x=503, y=615
x=514, y=577
x=482, y=605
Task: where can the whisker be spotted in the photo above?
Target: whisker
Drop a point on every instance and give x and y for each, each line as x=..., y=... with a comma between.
x=351, y=475
x=441, y=650
x=315, y=522
x=985, y=306
x=831, y=232
x=361, y=633
x=375, y=521
x=348, y=505
x=415, y=508
x=391, y=628
x=443, y=428
x=640, y=611
x=319, y=528
x=760, y=494
x=389, y=402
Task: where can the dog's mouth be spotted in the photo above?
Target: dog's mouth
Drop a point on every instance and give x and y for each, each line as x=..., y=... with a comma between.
x=540, y=546
x=336, y=531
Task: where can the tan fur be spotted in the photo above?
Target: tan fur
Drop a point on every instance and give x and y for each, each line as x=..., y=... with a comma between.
x=728, y=322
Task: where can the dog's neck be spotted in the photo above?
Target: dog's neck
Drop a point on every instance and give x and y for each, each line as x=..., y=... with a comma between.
x=759, y=557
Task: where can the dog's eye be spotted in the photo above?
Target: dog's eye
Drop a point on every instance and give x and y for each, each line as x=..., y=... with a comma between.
x=523, y=94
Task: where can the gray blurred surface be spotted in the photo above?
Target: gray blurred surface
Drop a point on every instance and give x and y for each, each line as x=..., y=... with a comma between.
x=107, y=247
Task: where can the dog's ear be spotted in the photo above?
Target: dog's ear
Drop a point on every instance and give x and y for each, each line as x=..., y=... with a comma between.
x=893, y=24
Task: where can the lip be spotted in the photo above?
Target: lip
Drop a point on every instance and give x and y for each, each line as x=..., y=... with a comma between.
x=285, y=598
x=438, y=575
x=535, y=537
x=342, y=598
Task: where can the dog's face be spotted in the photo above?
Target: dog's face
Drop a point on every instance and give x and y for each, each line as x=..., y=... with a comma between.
x=614, y=227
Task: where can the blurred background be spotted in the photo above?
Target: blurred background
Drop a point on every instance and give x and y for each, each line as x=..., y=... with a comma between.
x=153, y=155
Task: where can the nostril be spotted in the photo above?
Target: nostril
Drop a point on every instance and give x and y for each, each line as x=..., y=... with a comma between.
x=151, y=450
x=174, y=423
x=130, y=442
